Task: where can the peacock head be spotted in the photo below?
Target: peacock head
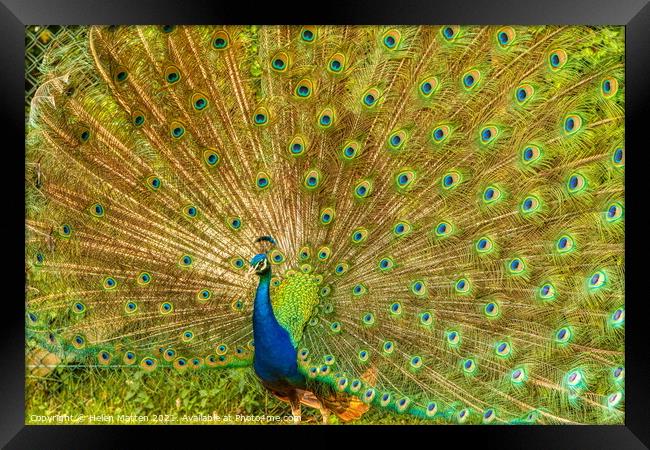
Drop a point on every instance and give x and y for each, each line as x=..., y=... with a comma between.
x=260, y=262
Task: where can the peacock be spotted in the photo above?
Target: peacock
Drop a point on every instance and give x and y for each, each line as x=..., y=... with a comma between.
x=421, y=220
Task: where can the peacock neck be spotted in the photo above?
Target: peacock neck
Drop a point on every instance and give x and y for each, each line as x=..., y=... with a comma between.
x=262, y=309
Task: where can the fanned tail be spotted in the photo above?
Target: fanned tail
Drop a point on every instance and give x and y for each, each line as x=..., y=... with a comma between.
x=456, y=193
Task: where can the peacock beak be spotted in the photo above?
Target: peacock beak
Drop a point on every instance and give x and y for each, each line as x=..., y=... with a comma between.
x=251, y=270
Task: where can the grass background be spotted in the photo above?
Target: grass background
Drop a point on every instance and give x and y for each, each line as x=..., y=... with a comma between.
x=128, y=391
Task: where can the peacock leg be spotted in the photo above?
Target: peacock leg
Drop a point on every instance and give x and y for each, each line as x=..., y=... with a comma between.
x=326, y=414
x=295, y=408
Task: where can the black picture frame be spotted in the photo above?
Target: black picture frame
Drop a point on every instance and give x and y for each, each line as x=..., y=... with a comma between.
x=16, y=14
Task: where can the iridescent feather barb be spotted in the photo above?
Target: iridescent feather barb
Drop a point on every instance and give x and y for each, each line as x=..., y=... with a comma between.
x=446, y=205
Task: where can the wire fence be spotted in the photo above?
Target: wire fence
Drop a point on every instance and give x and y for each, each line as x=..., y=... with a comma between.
x=38, y=39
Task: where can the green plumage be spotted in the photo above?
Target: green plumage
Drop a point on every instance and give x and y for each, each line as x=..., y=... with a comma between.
x=448, y=206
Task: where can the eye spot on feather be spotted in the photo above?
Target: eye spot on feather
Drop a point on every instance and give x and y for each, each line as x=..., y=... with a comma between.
x=97, y=210
x=204, y=295
x=78, y=307
x=462, y=286
x=186, y=261
x=471, y=79
x=371, y=97
x=168, y=28
x=530, y=154
x=557, y=59
x=297, y=146
x=176, y=130
x=563, y=335
x=609, y=87
x=220, y=40
x=235, y=223
x=166, y=307
x=78, y=342
x=144, y=278
x=326, y=118
x=505, y=36
x=503, y=349
x=451, y=180
x=614, y=212
x=121, y=74
x=597, y=280
x=576, y=183
x=190, y=211
x=138, y=118
x=237, y=262
x=388, y=347
x=359, y=289
x=491, y=194
x=516, y=266
x=443, y=229
x=484, y=245
x=280, y=62
x=40, y=259
x=418, y=288
x=614, y=399
x=488, y=134
x=618, y=157
x=109, y=283
x=363, y=189
x=359, y=235
x=199, y=102
x=428, y=86
x=524, y=93
x=312, y=179
x=402, y=228
x=368, y=319
x=335, y=327
x=426, y=318
x=304, y=89
x=449, y=32
x=572, y=123
x=337, y=63
x=386, y=264
x=172, y=75
x=564, y=244
x=84, y=135
x=617, y=319
x=440, y=134
x=148, y=364
x=469, y=366
x=391, y=39
x=350, y=150
x=341, y=268
x=529, y=205
x=130, y=307
x=492, y=310
x=327, y=216
x=277, y=257
x=104, y=357
x=263, y=181
x=453, y=338
x=547, y=291
x=518, y=376
x=308, y=34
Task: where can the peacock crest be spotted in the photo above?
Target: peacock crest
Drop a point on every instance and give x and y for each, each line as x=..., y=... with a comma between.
x=441, y=209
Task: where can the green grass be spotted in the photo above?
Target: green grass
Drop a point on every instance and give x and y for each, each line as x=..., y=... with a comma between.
x=164, y=397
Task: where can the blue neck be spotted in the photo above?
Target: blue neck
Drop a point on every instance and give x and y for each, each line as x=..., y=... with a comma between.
x=263, y=317
x=275, y=357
